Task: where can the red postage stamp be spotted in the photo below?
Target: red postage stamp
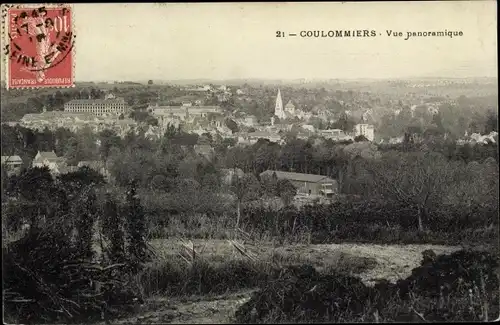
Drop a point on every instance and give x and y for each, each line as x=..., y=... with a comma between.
x=40, y=46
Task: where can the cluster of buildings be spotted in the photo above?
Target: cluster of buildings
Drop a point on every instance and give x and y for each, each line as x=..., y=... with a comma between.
x=75, y=121
x=96, y=114
x=56, y=165
x=185, y=113
x=289, y=111
x=194, y=119
x=112, y=113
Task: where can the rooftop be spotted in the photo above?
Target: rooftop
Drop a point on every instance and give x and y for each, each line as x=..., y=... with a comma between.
x=310, y=178
x=51, y=155
x=97, y=101
x=191, y=109
x=11, y=159
x=48, y=155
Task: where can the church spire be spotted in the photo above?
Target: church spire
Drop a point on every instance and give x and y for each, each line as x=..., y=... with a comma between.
x=278, y=108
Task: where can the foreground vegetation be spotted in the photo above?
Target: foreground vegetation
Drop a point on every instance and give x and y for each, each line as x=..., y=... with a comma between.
x=462, y=286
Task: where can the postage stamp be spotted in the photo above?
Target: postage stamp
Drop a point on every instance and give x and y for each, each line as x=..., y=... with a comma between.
x=39, y=47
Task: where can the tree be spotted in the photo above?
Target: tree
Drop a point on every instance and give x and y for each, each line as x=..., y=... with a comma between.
x=286, y=191
x=360, y=138
x=150, y=82
x=33, y=189
x=136, y=226
x=108, y=139
x=415, y=179
x=113, y=229
x=344, y=123
x=232, y=125
x=491, y=123
x=139, y=116
x=245, y=188
x=84, y=176
x=151, y=120
x=270, y=185
x=86, y=211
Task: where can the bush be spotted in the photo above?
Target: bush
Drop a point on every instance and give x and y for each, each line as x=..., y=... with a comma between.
x=48, y=279
x=176, y=277
x=437, y=275
x=462, y=286
x=300, y=294
x=376, y=222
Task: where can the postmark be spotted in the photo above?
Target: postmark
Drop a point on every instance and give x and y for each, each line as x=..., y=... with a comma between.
x=39, y=48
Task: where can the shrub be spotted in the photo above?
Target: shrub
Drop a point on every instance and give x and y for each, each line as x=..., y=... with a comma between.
x=64, y=289
x=175, y=277
x=462, y=286
x=300, y=294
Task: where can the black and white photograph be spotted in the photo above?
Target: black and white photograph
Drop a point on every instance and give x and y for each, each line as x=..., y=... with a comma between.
x=250, y=162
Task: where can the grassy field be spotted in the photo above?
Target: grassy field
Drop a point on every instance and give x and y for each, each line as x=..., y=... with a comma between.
x=370, y=261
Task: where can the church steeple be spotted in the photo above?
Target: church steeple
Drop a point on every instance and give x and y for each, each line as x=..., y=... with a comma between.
x=278, y=108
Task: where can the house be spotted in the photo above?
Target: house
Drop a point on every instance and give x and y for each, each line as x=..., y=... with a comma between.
x=290, y=108
x=12, y=164
x=304, y=134
x=365, y=130
x=12, y=161
x=308, y=184
x=334, y=134
x=49, y=159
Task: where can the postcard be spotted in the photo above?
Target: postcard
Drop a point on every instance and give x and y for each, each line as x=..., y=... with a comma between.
x=250, y=162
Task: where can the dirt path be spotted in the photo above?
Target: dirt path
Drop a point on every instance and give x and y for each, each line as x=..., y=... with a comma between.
x=193, y=310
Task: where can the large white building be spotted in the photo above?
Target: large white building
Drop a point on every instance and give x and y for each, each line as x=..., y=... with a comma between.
x=107, y=106
x=366, y=130
x=167, y=113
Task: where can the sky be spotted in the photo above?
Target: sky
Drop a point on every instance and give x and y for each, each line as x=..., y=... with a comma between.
x=171, y=41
